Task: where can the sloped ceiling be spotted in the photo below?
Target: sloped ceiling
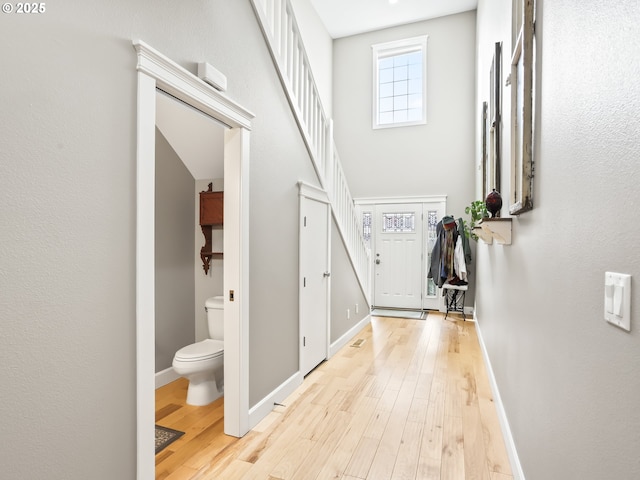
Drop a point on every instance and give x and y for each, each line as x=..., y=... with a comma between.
x=350, y=17
x=197, y=138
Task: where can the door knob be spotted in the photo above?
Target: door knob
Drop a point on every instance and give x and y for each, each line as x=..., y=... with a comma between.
x=377, y=261
x=326, y=274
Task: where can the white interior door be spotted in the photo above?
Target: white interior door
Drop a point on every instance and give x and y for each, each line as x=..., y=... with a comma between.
x=314, y=282
x=398, y=256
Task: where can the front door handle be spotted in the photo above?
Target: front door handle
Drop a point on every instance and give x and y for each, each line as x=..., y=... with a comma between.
x=326, y=274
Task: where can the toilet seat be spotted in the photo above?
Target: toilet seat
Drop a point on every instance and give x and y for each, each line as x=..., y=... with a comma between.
x=199, y=351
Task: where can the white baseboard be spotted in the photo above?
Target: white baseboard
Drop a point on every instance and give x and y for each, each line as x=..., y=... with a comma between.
x=516, y=467
x=264, y=407
x=344, y=339
x=166, y=376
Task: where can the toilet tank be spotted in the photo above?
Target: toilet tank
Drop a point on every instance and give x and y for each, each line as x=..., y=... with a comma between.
x=215, y=317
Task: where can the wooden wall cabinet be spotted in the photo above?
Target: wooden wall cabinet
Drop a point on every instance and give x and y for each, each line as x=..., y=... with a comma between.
x=211, y=216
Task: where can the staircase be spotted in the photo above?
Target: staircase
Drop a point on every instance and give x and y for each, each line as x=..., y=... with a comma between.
x=281, y=32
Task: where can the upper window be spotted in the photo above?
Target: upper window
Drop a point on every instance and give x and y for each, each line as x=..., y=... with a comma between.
x=400, y=83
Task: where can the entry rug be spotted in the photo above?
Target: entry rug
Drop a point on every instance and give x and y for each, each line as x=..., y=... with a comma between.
x=382, y=312
x=165, y=436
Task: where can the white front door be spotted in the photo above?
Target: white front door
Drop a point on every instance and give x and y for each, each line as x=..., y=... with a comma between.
x=314, y=282
x=397, y=256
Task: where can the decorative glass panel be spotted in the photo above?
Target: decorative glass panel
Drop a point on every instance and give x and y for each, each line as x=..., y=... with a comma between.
x=366, y=228
x=432, y=236
x=399, y=222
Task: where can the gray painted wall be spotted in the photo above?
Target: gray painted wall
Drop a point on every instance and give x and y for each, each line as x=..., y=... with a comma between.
x=175, y=202
x=569, y=381
x=431, y=159
x=68, y=193
x=345, y=290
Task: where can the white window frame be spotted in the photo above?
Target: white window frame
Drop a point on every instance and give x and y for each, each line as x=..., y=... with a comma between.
x=389, y=49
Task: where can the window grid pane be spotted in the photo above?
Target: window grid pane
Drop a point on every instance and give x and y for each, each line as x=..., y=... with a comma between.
x=400, y=84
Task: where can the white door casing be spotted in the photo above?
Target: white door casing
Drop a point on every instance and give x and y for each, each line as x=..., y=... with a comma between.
x=398, y=256
x=155, y=71
x=433, y=208
x=314, y=262
x=432, y=212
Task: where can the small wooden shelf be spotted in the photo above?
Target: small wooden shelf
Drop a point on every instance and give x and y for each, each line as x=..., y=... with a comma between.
x=498, y=229
x=206, y=258
x=211, y=216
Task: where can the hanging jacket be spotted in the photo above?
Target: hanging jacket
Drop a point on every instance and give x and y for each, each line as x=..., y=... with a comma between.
x=434, y=267
x=466, y=248
x=441, y=266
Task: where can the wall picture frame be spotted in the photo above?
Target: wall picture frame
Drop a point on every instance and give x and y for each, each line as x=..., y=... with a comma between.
x=494, y=141
x=483, y=157
x=522, y=115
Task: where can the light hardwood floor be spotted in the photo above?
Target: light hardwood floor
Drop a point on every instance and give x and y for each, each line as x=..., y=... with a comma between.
x=412, y=402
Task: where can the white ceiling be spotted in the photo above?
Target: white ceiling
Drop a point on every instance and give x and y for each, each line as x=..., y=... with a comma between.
x=349, y=17
x=197, y=138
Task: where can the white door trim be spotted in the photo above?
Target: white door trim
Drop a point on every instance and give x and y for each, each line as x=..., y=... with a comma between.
x=385, y=200
x=408, y=291
x=364, y=204
x=157, y=71
x=315, y=193
x=318, y=194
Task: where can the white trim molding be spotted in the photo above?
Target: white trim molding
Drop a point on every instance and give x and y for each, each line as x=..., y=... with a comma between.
x=346, y=338
x=306, y=195
x=392, y=200
x=314, y=193
x=277, y=396
x=383, y=53
x=510, y=445
x=177, y=81
x=155, y=71
x=165, y=377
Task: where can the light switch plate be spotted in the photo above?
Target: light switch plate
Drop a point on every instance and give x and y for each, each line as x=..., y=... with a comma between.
x=617, y=299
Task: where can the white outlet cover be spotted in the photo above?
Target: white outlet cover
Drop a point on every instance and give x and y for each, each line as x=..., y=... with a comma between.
x=617, y=299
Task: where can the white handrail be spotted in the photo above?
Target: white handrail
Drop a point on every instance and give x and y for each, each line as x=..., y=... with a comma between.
x=280, y=29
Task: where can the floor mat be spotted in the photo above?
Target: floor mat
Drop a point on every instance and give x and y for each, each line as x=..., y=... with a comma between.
x=166, y=436
x=412, y=314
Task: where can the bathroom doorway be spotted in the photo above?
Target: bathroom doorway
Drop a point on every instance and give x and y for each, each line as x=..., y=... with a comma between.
x=155, y=71
x=189, y=157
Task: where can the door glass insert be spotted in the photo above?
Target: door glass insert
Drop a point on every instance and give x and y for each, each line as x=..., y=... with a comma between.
x=432, y=236
x=399, y=222
x=366, y=228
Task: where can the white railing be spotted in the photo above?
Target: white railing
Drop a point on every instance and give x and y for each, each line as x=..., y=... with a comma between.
x=281, y=31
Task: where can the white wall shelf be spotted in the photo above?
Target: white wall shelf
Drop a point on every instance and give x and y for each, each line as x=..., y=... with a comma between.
x=498, y=229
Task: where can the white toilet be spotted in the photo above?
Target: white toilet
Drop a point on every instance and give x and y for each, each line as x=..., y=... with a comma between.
x=202, y=362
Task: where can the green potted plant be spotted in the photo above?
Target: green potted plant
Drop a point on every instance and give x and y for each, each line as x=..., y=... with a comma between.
x=477, y=210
